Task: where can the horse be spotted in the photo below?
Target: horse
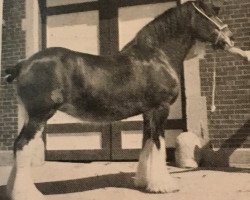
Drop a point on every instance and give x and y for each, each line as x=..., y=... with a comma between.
x=140, y=79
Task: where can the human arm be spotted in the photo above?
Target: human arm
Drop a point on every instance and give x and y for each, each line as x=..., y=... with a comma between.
x=239, y=52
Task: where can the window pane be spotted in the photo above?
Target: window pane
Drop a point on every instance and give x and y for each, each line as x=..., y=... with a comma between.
x=51, y=3
x=76, y=31
x=133, y=18
x=133, y=139
x=74, y=141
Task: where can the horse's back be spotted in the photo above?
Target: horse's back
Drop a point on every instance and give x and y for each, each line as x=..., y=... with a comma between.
x=57, y=76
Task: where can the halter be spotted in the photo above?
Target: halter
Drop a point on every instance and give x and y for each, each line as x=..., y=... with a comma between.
x=220, y=26
x=216, y=21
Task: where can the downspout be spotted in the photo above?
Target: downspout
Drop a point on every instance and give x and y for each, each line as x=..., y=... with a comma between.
x=1, y=31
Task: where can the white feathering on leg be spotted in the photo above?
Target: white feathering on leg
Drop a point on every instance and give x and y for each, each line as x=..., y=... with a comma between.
x=152, y=171
x=142, y=174
x=20, y=184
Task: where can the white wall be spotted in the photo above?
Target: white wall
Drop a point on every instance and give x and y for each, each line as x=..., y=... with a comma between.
x=77, y=31
x=65, y=2
x=32, y=26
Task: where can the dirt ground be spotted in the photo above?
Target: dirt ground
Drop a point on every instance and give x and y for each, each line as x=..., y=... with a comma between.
x=114, y=180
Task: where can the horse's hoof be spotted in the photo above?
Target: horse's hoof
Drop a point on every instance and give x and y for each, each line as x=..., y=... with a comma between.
x=167, y=185
x=140, y=183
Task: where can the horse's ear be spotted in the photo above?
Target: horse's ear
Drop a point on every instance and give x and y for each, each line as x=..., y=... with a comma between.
x=217, y=5
x=199, y=2
x=185, y=1
x=216, y=10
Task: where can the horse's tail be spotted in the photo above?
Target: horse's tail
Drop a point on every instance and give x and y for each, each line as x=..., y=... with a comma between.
x=13, y=72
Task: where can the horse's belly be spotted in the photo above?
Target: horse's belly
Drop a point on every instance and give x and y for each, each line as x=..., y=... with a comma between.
x=101, y=113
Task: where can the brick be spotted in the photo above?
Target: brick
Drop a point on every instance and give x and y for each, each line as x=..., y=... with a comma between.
x=13, y=48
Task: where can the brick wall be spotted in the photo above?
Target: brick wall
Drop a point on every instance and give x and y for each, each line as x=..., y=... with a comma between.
x=229, y=125
x=13, y=49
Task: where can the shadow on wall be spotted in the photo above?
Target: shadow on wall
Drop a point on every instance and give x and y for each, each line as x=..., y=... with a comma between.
x=221, y=157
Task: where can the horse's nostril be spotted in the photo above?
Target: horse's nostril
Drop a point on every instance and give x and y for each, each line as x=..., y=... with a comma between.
x=230, y=34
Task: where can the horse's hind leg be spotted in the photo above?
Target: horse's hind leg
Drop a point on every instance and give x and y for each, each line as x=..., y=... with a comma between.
x=20, y=184
x=38, y=152
x=152, y=172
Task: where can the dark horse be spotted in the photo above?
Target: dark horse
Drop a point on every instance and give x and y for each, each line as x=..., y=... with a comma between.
x=141, y=78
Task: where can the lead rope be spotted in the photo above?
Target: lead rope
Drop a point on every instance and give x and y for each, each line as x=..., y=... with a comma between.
x=213, y=107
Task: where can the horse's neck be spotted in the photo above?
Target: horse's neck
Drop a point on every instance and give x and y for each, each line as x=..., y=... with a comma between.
x=175, y=42
x=170, y=34
x=174, y=48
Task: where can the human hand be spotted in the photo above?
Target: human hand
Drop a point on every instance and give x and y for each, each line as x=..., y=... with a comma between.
x=247, y=55
x=239, y=52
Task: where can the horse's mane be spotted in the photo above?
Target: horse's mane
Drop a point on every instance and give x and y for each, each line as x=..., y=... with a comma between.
x=169, y=24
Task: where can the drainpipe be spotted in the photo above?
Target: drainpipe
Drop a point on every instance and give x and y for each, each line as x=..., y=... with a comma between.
x=1, y=29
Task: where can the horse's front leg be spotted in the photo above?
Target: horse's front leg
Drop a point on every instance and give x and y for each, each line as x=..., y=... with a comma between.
x=152, y=172
x=20, y=184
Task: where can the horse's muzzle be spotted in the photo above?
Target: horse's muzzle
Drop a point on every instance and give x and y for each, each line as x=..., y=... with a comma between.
x=224, y=39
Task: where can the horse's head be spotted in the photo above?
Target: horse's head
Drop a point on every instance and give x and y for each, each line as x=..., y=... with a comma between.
x=208, y=27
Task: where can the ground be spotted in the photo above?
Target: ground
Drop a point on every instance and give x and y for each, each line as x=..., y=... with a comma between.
x=114, y=180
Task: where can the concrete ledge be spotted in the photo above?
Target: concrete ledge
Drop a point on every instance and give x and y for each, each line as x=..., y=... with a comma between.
x=6, y=158
x=226, y=157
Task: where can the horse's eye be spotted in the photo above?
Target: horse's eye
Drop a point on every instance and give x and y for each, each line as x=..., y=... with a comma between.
x=216, y=10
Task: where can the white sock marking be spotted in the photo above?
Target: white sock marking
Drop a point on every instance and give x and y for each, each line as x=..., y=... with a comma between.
x=20, y=184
